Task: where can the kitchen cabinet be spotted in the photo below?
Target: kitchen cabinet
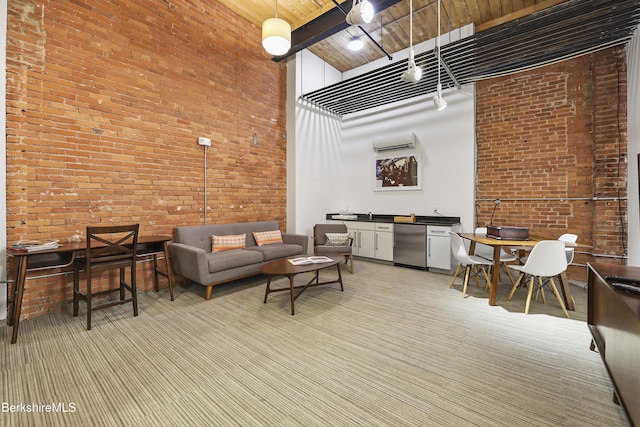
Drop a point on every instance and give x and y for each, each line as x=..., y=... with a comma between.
x=439, y=246
x=383, y=241
x=363, y=238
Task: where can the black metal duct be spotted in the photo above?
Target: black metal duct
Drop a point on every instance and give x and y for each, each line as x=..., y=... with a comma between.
x=570, y=29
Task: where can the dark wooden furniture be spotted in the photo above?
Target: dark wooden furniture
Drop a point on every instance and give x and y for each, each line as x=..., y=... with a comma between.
x=282, y=267
x=112, y=247
x=64, y=256
x=320, y=246
x=614, y=321
x=498, y=245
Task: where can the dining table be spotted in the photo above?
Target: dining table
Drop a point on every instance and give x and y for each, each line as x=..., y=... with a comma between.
x=522, y=245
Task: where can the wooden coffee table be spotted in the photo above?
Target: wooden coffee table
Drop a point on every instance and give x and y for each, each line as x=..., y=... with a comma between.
x=283, y=267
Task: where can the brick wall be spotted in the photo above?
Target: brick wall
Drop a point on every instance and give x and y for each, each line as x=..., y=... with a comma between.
x=552, y=146
x=105, y=102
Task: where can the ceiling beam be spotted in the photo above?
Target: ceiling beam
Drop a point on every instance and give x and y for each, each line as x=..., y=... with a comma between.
x=325, y=26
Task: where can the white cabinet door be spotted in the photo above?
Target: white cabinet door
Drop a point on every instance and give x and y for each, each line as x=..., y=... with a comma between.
x=366, y=243
x=384, y=241
x=439, y=247
x=384, y=245
x=363, y=238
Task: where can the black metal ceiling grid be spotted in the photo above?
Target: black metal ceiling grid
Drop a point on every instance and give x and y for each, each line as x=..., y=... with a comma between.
x=571, y=28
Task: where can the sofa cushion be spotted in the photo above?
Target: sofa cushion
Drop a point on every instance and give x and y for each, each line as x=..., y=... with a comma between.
x=337, y=239
x=225, y=260
x=228, y=242
x=271, y=252
x=267, y=237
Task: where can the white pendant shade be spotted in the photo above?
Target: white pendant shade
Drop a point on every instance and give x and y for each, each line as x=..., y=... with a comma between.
x=276, y=36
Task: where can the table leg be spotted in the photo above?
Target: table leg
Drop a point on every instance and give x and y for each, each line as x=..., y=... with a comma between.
x=267, y=290
x=566, y=292
x=495, y=276
x=291, y=285
x=340, y=277
x=16, y=306
x=156, y=285
x=167, y=261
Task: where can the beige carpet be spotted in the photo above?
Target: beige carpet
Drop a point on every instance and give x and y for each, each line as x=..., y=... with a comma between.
x=396, y=348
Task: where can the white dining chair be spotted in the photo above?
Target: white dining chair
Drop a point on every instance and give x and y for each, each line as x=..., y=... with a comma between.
x=470, y=264
x=546, y=260
x=569, y=238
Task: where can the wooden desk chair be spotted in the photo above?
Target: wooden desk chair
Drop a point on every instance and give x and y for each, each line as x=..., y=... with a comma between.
x=108, y=248
x=333, y=239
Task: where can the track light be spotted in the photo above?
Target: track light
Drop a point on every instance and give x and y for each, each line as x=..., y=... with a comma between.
x=413, y=73
x=438, y=100
x=355, y=44
x=361, y=13
x=276, y=35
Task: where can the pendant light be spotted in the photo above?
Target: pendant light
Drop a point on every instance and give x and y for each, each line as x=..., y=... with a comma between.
x=276, y=35
x=413, y=73
x=438, y=100
x=361, y=13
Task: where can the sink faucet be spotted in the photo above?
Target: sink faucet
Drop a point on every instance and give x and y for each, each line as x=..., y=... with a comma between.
x=370, y=216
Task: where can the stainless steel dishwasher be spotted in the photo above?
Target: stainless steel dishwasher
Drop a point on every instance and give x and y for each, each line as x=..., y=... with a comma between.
x=410, y=244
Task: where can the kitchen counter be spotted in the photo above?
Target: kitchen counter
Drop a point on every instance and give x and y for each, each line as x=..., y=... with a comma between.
x=420, y=219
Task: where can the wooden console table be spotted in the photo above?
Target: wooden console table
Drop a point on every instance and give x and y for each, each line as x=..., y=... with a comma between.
x=64, y=256
x=614, y=321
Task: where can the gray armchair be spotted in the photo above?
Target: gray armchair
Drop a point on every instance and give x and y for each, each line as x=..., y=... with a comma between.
x=333, y=239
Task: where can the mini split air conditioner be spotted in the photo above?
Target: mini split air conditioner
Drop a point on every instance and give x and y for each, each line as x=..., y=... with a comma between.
x=401, y=144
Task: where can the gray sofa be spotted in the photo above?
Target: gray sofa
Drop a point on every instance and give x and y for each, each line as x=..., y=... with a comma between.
x=192, y=258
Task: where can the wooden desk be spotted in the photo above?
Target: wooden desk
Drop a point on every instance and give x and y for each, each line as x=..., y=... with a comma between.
x=64, y=256
x=498, y=245
x=614, y=322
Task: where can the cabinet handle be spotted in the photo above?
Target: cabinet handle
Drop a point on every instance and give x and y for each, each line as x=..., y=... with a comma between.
x=437, y=231
x=376, y=245
x=429, y=247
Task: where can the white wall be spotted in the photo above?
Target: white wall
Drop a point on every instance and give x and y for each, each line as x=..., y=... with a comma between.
x=334, y=159
x=633, y=135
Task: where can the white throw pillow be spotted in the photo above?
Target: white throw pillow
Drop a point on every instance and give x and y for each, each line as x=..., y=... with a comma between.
x=337, y=239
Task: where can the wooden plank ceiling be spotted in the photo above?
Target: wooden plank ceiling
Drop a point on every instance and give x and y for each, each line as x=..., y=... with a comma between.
x=390, y=27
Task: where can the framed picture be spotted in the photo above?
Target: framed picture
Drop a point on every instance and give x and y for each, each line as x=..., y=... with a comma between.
x=400, y=172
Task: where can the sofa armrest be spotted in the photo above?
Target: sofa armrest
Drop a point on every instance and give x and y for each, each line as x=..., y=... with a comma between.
x=296, y=239
x=189, y=262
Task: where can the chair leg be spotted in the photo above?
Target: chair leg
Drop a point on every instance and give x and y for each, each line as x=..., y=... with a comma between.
x=134, y=290
x=555, y=291
x=467, y=273
x=508, y=273
x=351, y=260
x=526, y=308
x=515, y=286
x=541, y=289
x=76, y=289
x=486, y=276
x=88, y=300
x=455, y=276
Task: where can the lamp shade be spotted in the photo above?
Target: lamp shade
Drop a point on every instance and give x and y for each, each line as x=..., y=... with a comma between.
x=276, y=36
x=361, y=13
